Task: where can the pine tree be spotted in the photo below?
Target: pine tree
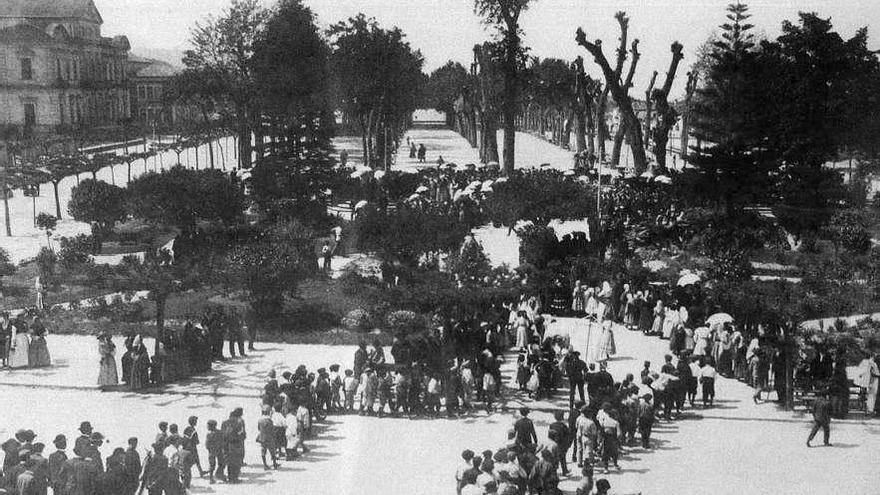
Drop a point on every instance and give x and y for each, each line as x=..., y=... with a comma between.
x=732, y=164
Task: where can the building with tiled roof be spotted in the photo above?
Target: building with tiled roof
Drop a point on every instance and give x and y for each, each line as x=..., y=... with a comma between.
x=150, y=105
x=56, y=69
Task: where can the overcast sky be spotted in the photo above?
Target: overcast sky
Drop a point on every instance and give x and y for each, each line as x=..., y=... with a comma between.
x=448, y=29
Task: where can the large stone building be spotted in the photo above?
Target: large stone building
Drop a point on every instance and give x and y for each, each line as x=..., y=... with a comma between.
x=150, y=102
x=57, y=69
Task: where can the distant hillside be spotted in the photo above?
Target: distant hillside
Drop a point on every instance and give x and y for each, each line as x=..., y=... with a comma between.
x=172, y=57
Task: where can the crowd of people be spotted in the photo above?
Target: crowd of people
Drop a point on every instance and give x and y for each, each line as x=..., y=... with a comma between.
x=181, y=353
x=528, y=465
x=165, y=469
x=23, y=342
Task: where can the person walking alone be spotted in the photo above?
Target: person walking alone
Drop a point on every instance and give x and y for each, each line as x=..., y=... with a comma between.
x=821, y=418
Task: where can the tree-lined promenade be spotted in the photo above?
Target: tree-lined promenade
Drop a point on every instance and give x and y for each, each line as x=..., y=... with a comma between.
x=728, y=254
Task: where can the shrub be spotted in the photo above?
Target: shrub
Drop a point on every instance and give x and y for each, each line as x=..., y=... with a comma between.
x=116, y=310
x=537, y=245
x=75, y=251
x=357, y=319
x=403, y=321
x=6, y=265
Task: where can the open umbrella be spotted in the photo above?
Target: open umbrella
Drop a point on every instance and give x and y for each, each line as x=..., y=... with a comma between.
x=357, y=174
x=500, y=180
x=421, y=189
x=360, y=204
x=663, y=179
x=378, y=174
x=475, y=185
x=569, y=173
x=493, y=164
x=414, y=197
x=460, y=195
x=719, y=319
x=688, y=279
x=487, y=183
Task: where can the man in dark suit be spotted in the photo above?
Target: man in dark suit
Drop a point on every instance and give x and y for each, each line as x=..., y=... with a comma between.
x=821, y=417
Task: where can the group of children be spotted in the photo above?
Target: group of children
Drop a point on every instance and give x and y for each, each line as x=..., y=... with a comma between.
x=524, y=465
x=166, y=468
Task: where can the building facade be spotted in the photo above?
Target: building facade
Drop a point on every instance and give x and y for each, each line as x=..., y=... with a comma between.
x=151, y=105
x=57, y=70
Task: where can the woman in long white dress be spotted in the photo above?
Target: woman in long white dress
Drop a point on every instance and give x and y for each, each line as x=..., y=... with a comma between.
x=868, y=380
x=607, y=346
x=591, y=304
x=19, y=348
x=522, y=330
x=702, y=335
x=673, y=319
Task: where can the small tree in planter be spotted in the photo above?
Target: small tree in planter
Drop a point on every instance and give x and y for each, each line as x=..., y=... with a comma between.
x=47, y=224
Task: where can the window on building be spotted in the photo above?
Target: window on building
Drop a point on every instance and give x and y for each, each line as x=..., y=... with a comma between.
x=67, y=69
x=58, y=68
x=27, y=70
x=142, y=91
x=150, y=92
x=71, y=103
x=30, y=114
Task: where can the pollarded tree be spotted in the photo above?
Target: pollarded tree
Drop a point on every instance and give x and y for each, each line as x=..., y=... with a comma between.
x=57, y=168
x=505, y=16
x=666, y=114
x=617, y=145
x=618, y=91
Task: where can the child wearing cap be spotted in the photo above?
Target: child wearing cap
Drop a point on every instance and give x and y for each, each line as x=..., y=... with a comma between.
x=56, y=463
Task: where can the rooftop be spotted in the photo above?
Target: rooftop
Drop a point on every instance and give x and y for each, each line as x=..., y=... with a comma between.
x=63, y=9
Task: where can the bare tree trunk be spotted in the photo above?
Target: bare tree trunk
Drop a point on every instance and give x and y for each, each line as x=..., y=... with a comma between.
x=622, y=126
x=634, y=129
x=686, y=115
x=649, y=107
x=666, y=115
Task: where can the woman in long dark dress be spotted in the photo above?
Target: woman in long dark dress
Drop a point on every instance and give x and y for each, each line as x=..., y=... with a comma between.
x=140, y=365
x=127, y=360
x=38, y=351
x=107, y=375
x=646, y=312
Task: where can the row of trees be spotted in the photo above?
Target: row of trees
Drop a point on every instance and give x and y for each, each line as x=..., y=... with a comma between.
x=279, y=78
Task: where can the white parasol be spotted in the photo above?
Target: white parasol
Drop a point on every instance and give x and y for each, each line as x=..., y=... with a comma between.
x=663, y=179
x=688, y=279
x=719, y=319
x=421, y=189
x=378, y=174
x=360, y=204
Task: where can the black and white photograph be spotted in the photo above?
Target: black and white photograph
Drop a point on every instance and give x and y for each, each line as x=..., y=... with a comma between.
x=439, y=247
